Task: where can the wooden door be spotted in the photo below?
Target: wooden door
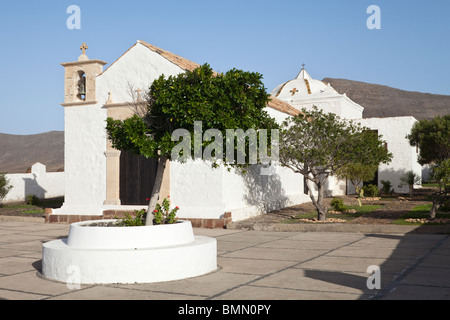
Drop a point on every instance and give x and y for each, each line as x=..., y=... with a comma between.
x=137, y=177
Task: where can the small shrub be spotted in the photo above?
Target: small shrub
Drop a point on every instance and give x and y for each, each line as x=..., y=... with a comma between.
x=163, y=214
x=370, y=190
x=33, y=200
x=387, y=187
x=4, y=186
x=337, y=204
x=133, y=221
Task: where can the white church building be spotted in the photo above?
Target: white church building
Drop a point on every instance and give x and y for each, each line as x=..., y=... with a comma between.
x=305, y=92
x=101, y=182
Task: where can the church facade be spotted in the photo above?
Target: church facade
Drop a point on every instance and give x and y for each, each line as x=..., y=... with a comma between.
x=102, y=182
x=306, y=92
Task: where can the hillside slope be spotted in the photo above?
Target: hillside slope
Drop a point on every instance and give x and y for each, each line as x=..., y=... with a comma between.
x=20, y=152
x=384, y=101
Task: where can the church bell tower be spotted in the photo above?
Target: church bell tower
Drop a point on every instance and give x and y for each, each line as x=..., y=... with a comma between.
x=79, y=80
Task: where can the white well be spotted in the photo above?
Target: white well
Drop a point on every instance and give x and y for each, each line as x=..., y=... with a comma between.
x=95, y=255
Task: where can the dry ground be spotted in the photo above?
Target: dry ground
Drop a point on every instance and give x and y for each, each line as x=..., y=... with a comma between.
x=393, y=208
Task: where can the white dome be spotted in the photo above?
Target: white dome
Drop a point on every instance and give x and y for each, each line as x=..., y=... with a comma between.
x=302, y=87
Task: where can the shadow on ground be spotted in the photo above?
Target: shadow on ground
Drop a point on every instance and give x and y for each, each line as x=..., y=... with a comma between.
x=417, y=269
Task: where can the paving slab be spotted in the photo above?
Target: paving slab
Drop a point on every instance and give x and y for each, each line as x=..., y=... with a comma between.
x=117, y=293
x=274, y=293
x=253, y=265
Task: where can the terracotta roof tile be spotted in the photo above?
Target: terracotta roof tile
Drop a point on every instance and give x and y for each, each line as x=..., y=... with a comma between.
x=183, y=63
x=282, y=106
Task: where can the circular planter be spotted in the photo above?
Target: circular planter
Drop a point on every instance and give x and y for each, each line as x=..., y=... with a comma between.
x=89, y=236
x=107, y=254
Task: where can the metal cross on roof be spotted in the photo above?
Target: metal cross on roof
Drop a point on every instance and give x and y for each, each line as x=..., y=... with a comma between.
x=84, y=47
x=303, y=65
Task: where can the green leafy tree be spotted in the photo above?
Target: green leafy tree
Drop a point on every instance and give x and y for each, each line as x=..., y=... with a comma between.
x=433, y=139
x=318, y=145
x=233, y=100
x=441, y=174
x=357, y=173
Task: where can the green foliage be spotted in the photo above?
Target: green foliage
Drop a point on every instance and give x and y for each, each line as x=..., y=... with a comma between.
x=32, y=199
x=337, y=204
x=387, y=187
x=421, y=212
x=163, y=214
x=357, y=172
x=318, y=144
x=4, y=186
x=410, y=178
x=135, y=220
x=349, y=216
x=441, y=173
x=433, y=139
x=370, y=190
x=234, y=100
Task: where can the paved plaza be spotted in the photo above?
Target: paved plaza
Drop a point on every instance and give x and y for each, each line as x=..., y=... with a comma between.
x=253, y=265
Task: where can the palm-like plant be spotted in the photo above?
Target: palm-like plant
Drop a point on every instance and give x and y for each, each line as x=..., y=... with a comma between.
x=410, y=178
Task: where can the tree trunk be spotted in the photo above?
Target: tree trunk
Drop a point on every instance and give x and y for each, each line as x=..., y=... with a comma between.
x=437, y=198
x=360, y=192
x=321, y=209
x=411, y=190
x=156, y=190
x=434, y=209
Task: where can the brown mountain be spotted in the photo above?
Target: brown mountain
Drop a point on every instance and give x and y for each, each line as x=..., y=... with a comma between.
x=383, y=101
x=19, y=152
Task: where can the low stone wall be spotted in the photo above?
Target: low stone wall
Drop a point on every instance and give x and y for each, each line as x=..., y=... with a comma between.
x=43, y=184
x=112, y=214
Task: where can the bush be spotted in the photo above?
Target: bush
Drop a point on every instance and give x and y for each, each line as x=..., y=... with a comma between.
x=4, y=186
x=33, y=200
x=136, y=221
x=370, y=190
x=338, y=204
x=163, y=214
x=387, y=187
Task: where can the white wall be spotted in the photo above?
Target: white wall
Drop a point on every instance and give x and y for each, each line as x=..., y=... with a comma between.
x=138, y=67
x=44, y=185
x=201, y=191
x=338, y=104
x=84, y=160
x=85, y=127
x=394, y=131
x=204, y=192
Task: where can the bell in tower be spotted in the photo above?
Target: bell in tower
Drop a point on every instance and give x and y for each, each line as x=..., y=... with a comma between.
x=82, y=86
x=80, y=79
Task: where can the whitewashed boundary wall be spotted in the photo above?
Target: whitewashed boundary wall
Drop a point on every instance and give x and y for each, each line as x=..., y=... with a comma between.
x=43, y=184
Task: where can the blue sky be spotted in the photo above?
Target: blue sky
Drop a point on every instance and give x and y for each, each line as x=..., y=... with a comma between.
x=411, y=51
